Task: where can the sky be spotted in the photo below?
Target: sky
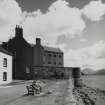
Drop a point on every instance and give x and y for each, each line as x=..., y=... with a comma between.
x=75, y=26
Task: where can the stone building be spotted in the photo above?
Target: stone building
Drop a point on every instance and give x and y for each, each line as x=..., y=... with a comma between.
x=22, y=55
x=29, y=60
x=32, y=61
x=5, y=66
x=47, y=56
x=47, y=61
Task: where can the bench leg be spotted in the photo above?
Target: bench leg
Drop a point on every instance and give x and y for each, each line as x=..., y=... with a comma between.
x=28, y=92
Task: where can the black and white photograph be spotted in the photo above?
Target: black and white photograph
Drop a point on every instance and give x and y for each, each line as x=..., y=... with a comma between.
x=52, y=52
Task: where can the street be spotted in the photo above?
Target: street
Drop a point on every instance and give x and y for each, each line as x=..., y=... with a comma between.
x=53, y=94
x=10, y=93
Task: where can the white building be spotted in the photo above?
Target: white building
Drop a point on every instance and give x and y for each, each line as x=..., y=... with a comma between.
x=5, y=66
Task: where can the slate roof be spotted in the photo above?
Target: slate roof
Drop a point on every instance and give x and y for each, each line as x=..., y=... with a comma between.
x=52, y=49
x=4, y=51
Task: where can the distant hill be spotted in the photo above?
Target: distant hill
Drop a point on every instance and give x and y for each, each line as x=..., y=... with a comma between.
x=100, y=72
x=88, y=71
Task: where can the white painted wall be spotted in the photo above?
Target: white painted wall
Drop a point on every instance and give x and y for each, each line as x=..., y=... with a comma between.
x=7, y=69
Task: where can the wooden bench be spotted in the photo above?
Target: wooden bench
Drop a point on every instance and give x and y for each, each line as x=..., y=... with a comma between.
x=38, y=89
x=33, y=90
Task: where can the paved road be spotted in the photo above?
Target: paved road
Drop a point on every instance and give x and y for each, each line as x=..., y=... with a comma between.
x=54, y=93
x=69, y=98
x=10, y=93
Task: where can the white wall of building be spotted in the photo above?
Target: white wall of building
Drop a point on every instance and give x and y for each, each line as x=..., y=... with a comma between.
x=7, y=69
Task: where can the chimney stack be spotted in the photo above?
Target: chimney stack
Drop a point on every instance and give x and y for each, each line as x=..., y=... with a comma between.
x=18, y=31
x=38, y=41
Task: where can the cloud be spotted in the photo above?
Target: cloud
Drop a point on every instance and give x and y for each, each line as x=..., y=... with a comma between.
x=83, y=39
x=59, y=19
x=94, y=10
x=93, y=55
x=10, y=15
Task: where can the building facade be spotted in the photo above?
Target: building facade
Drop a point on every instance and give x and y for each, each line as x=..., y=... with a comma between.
x=31, y=60
x=47, y=56
x=5, y=66
x=22, y=55
x=53, y=57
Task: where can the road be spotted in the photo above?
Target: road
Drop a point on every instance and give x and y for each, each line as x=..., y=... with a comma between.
x=53, y=94
x=10, y=93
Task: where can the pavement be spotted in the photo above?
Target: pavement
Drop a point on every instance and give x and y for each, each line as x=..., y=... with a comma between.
x=17, y=82
x=69, y=98
x=54, y=93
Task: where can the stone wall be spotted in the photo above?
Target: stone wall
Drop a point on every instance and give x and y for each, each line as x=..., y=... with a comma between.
x=76, y=74
x=52, y=72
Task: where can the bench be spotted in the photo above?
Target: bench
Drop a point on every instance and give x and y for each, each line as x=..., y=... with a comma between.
x=33, y=90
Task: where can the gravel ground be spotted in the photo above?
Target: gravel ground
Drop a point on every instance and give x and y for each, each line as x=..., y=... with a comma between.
x=89, y=96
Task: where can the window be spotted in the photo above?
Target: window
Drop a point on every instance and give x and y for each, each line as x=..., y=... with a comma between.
x=49, y=55
x=5, y=62
x=60, y=56
x=4, y=76
x=27, y=70
x=54, y=55
x=54, y=63
x=60, y=63
x=44, y=54
x=49, y=62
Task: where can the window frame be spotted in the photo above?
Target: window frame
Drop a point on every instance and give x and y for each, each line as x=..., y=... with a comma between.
x=49, y=62
x=4, y=62
x=4, y=76
x=55, y=63
x=60, y=56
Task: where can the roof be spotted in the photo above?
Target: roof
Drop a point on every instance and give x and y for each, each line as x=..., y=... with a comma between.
x=4, y=51
x=52, y=49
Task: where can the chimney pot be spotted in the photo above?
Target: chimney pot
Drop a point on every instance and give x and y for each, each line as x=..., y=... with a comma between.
x=18, y=31
x=38, y=41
